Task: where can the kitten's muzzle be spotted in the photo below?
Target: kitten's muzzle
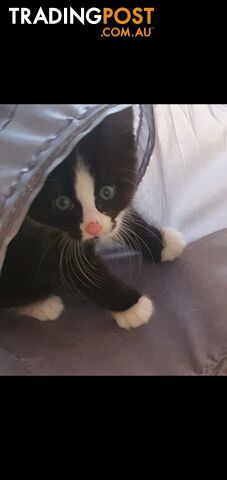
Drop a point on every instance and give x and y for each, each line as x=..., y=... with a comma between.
x=93, y=228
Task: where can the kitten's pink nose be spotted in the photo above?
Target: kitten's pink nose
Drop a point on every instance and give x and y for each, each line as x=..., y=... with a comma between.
x=93, y=228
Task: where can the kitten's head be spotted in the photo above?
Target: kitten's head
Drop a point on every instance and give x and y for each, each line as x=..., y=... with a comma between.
x=88, y=194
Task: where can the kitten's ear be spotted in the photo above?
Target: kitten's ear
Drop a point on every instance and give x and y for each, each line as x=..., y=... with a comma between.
x=126, y=121
x=119, y=122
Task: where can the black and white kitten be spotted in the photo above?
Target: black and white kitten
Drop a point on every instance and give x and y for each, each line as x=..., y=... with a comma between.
x=85, y=200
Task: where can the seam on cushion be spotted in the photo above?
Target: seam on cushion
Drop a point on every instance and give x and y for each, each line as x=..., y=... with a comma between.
x=10, y=117
x=210, y=369
x=15, y=358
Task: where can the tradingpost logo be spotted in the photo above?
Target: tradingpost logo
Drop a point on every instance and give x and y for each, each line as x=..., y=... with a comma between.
x=119, y=22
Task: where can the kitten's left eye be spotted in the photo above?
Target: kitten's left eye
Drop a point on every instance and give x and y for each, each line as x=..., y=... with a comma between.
x=63, y=203
x=107, y=192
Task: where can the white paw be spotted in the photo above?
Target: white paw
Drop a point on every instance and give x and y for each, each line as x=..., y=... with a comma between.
x=48, y=309
x=136, y=315
x=174, y=244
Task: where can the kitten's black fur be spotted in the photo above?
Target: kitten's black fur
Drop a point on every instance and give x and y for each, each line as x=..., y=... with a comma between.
x=32, y=271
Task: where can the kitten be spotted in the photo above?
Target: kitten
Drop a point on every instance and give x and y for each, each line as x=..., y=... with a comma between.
x=85, y=200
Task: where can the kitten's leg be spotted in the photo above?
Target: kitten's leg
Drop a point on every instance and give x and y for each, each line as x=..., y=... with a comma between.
x=157, y=245
x=43, y=310
x=136, y=315
x=174, y=244
x=128, y=307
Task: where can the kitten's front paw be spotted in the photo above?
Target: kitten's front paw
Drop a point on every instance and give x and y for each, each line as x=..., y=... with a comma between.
x=139, y=314
x=174, y=244
x=48, y=309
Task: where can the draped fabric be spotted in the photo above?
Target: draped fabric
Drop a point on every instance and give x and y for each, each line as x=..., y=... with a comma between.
x=185, y=185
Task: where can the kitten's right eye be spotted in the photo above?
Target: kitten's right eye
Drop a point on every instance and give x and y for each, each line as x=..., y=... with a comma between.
x=107, y=192
x=63, y=203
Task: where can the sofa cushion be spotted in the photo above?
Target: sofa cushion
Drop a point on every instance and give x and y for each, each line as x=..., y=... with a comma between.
x=187, y=335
